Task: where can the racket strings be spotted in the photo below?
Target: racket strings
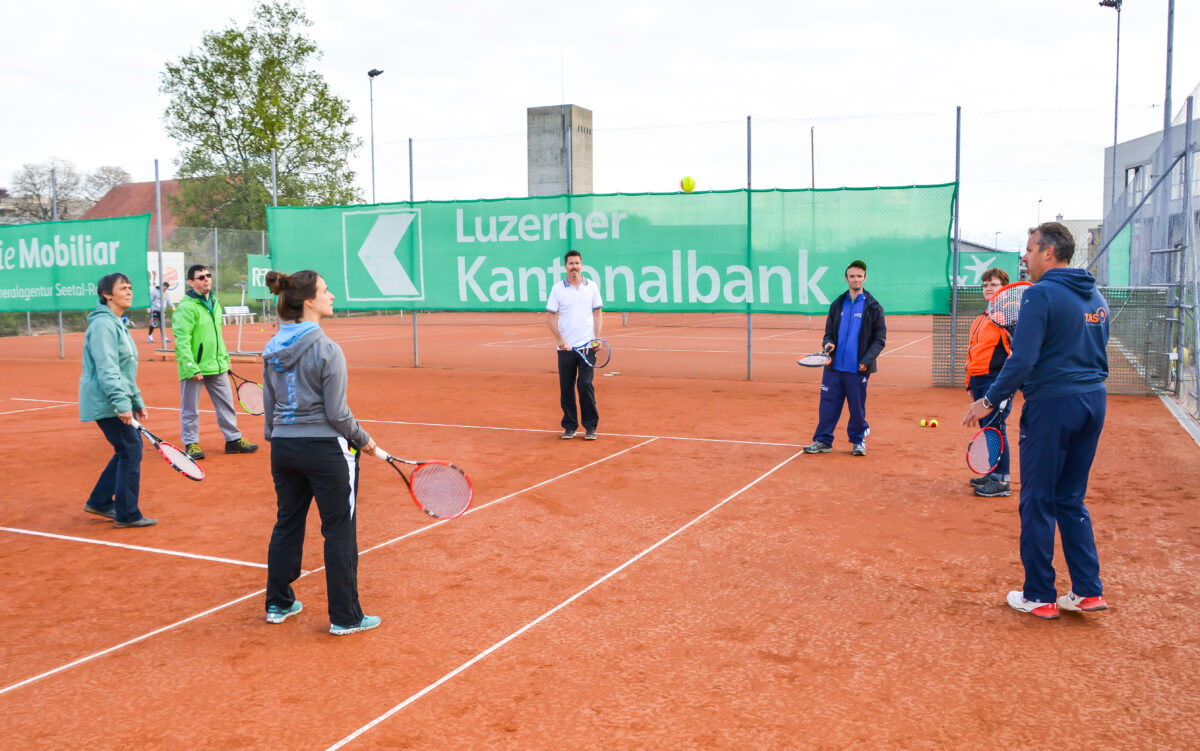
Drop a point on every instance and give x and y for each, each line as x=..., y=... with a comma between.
x=442, y=490
x=251, y=397
x=181, y=461
x=1005, y=307
x=983, y=453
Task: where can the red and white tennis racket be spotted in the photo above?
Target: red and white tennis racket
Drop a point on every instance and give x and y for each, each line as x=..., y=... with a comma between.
x=439, y=488
x=173, y=455
x=986, y=446
x=1005, y=306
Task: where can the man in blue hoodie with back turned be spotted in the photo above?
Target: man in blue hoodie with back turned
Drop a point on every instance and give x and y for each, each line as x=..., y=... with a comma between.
x=1060, y=362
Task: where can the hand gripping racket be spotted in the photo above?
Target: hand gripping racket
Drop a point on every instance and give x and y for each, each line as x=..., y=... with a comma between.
x=439, y=488
x=814, y=360
x=596, y=353
x=249, y=394
x=985, y=447
x=175, y=456
x=1005, y=306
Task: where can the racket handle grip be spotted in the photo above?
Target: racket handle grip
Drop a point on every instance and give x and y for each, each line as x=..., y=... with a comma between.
x=382, y=454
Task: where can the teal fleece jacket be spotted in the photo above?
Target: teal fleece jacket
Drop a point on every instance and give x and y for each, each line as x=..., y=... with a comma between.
x=108, y=385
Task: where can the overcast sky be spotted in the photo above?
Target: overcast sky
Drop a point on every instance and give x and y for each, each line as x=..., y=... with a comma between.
x=873, y=83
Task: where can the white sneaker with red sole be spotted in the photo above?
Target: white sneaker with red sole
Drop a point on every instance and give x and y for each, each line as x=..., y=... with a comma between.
x=1072, y=601
x=1047, y=610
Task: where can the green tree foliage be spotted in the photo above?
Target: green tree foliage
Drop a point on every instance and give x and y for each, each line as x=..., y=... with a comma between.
x=243, y=94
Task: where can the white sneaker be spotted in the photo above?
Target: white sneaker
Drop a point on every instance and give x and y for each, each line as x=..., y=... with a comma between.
x=150, y=338
x=1047, y=610
x=1072, y=601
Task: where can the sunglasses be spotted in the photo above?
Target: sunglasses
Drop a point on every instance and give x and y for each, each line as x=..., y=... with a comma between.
x=202, y=276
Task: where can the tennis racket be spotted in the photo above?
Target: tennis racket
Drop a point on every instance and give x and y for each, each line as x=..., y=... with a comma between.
x=439, y=488
x=986, y=446
x=596, y=353
x=814, y=360
x=249, y=394
x=175, y=456
x=1005, y=305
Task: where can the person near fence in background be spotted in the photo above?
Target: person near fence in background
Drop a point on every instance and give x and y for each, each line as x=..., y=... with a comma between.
x=1060, y=362
x=109, y=395
x=855, y=334
x=202, y=362
x=574, y=313
x=157, y=311
x=315, y=445
x=987, y=350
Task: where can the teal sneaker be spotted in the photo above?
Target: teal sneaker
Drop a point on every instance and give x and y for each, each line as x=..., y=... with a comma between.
x=366, y=624
x=276, y=614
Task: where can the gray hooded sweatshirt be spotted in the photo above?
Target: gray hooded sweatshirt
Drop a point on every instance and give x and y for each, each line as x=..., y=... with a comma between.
x=304, y=387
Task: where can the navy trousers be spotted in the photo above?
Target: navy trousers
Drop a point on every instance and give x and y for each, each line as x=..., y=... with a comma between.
x=573, y=372
x=1058, y=443
x=325, y=469
x=838, y=388
x=121, y=480
x=979, y=387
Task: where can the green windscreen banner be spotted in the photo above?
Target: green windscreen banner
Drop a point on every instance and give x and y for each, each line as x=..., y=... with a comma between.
x=770, y=251
x=256, y=275
x=56, y=265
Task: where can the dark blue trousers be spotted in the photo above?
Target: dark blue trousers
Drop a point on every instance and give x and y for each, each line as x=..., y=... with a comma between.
x=573, y=372
x=121, y=480
x=979, y=387
x=1058, y=443
x=838, y=388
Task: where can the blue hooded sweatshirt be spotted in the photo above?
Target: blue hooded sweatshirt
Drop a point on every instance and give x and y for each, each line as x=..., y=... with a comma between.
x=1060, y=346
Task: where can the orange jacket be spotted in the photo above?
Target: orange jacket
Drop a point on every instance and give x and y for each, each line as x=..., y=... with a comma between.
x=988, y=349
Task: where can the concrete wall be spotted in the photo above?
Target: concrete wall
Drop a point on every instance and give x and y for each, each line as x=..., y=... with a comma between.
x=546, y=129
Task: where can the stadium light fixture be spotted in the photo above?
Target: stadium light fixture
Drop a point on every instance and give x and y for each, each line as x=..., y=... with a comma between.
x=371, y=74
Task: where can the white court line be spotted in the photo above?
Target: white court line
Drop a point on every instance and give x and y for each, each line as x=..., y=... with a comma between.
x=902, y=346
x=615, y=435
x=51, y=401
x=417, y=531
x=134, y=640
x=141, y=548
x=34, y=409
x=555, y=609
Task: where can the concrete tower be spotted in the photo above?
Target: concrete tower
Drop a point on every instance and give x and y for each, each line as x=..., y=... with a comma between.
x=560, y=150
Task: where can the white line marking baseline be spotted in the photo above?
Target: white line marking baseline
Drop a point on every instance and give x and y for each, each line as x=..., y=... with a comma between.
x=556, y=608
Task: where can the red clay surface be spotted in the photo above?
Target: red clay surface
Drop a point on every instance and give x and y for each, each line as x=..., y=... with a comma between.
x=827, y=602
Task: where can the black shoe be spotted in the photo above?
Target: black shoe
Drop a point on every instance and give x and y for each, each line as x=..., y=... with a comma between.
x=567, y=434
x=993, y=489
x=107, y=513
x=590, y=435
x=194, y=451
x=977, y=481
x=818, y=448
x=143, y=522
x=240, y=446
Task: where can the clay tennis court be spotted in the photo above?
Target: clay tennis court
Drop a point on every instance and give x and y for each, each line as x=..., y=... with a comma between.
x=691, y=580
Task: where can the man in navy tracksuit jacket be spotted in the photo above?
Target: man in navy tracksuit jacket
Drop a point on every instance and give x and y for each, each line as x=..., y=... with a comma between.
x=1060, y=362
x=855, y=334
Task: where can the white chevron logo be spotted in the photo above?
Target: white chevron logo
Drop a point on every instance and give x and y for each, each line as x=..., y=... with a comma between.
x=378, y=254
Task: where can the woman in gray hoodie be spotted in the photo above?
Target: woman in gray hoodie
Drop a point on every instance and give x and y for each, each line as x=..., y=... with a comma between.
x=315, y=444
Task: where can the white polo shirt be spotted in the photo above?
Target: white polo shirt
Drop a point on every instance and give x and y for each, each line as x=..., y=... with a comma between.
x=574, y=308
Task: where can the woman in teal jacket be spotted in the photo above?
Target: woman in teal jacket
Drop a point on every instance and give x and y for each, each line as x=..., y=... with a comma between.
x=108, y=394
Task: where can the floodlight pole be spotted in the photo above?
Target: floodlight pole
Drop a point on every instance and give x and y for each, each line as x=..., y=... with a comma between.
x=371, y=88
x=1116, y=98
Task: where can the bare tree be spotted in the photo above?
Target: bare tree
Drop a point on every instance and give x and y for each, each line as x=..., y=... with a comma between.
x=31, y=189
x=104, y=179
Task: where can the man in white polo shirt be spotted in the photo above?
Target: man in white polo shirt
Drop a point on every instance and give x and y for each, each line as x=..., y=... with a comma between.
x=574, y=315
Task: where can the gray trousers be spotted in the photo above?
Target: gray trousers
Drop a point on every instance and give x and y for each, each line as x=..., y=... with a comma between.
x=189, y=407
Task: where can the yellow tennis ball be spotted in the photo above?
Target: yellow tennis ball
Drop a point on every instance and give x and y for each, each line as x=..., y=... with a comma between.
x=688, y=184
x=933, y=423
x=923, y=423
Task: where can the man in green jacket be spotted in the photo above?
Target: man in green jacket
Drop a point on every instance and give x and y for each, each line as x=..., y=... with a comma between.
x=202, y=360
